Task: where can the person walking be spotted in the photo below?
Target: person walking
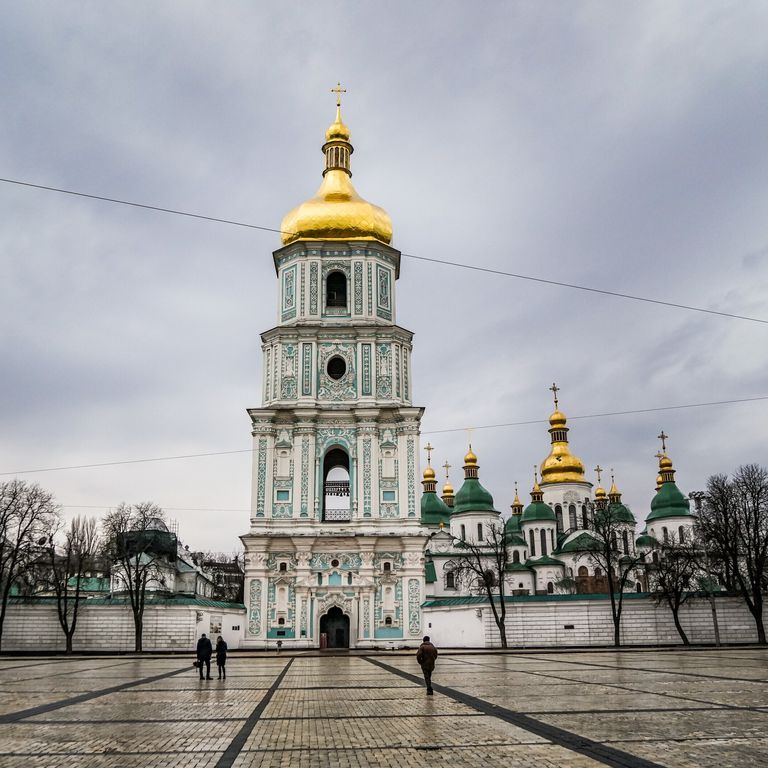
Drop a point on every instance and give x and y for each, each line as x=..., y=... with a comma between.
x=426, y=656
x=221, y=657
x=204, y=651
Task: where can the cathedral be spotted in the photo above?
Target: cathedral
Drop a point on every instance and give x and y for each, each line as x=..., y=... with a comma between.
x=341, y=551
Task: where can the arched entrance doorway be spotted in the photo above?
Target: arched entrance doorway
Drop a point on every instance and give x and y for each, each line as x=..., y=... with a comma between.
x=335, y=625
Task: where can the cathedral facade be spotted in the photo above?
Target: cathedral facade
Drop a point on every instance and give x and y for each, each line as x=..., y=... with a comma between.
x=335, y=552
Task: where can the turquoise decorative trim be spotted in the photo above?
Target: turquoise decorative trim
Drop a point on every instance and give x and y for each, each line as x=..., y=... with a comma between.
x=414, y=595
x=304, y=475
x=254, y=608
x=313, y=288
x=411, y=477
x=366, y=477
x=306, y=368
x=366, y=372
x=261, y=476
x=289, y=293
x=358, y=288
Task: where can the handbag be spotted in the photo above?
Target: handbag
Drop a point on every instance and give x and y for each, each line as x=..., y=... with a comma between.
x=197, y=663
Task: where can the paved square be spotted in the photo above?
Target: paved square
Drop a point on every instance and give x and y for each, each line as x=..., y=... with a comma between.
x=629, y=708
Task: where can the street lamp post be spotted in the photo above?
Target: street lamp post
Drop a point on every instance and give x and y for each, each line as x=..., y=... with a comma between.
x=698, y=497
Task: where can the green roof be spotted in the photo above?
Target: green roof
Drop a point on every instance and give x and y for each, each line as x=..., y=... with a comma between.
x=513, y=540
x=90, y=583
x=646, y=540
x=167, y=600
x=434, y=510
x=429, y=572
x=669, y=502
x=621, y=513
x=543, y=560
x=472, y=497
x=513, y=524
x=538, y=511
x=441, y=602
x=516, y=567
x=584, y=542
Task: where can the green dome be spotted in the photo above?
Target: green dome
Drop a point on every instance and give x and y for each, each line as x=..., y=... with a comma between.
x=515, y=540
x=512, y=526
x=434, y=510
x=646, y=540
x=538, y=511
x=669, y=502
x=621, y=514
x=472, y=497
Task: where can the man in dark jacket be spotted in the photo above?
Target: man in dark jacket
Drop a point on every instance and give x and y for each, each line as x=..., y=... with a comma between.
x=204, y=651
x=426, y=656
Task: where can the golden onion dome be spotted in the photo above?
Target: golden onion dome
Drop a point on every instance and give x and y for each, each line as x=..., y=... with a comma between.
x=659, y=482
x=665, y=462
x=599, y=492
x=561, y=466
x=470, y=459
x=429, y=473
x=447, y=490
x=336, y=212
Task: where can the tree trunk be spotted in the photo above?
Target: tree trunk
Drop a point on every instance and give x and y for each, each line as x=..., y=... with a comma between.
x=69, y=642
x=138, y=626
x=679, y=626
x=757, y=614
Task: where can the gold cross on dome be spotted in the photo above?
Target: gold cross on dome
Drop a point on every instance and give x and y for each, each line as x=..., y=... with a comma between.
x=554, y=389
x=428, y=448
x=338, y=90
x=598, y=469
x=663, y=439
x=446, y=467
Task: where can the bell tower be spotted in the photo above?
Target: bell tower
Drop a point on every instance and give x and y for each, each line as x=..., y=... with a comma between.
x=335, y=525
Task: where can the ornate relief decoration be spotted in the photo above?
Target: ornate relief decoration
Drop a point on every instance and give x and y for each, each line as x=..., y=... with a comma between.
x=383, y=300
x=334, y=599
x=389, y=510
x=358, y=288
x=303, y=624
x=313, y=290
x=274, y=558
x=302, y=290
x=571, y=497
x=366, y=476
x=411, y=477
x=412, y=559
x=267, y=373
x=414, y=605
x=327, y=436
x=370, y=289
x=395, y=558
x=322, y=560
x=366, y=617
x=261, y=477
x=306, y=368
x=274, y=583
x=406, y=389
x=396, y=357
x=282, y=511
x=254, y=608
x=344, y=388
x=366, y=372
x=289, y=293
x=304, y=475
x=288, y=390
x=383, y=371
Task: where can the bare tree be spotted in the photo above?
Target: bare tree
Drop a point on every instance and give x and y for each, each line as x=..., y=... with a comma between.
x=673, y=577
x=608, y=551
x=481, y=567
x=733, y=524
x=138, y=543
x=67, y=568
x=27, y=516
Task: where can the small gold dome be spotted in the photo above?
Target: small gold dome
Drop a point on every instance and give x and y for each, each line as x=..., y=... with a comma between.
x=336, y=212
x=665, y=462
x=429, y=473
x=470, y=458
x=599, y=492
x=557, y=419
x=659, y=482
x=447, y=490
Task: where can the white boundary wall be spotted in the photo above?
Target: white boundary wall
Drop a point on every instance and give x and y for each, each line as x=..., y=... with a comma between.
x=35, y=627
x=543, y=623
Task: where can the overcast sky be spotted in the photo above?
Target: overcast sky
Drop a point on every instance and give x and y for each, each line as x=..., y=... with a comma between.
x=619, y=145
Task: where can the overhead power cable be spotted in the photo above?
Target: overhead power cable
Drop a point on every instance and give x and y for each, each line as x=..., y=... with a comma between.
x=425, y=432
x=489, y=270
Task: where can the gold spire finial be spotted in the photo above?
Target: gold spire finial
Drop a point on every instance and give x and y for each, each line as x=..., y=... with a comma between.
x=446, y=467
x=428, y=448
x=554, y=389
x=663, y=439
x=598, y=469
x=338, y=90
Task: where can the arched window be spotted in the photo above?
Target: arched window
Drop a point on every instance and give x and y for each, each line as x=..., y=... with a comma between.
x=463, y=533
x=584, y=519
x=349, y=578
x=655, y=557
x=479, y=531
x=552, y=538
x=665, y=535
x=388, y=621
x=559, y=517
x=614, y=541
x=583, y=570
x=336, y=487
x=625, y=542
x=281, y=621
x=336, y=290
x=550, y=588
x=598, y=572
x=543, y=542
x=515, y=557
x=532, y=539
x=572, y=516
x=387, y=566
x=319, y=578
x=638, y=587
x=681, y=533
x=450, y=580
x=283, y=566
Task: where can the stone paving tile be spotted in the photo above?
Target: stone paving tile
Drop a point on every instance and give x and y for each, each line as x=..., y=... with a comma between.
x=501, y=756
x=218, y=709
x=707, y=724
x=705, y=753
x=400, y=732
x=118, y=760
x=424, y=706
